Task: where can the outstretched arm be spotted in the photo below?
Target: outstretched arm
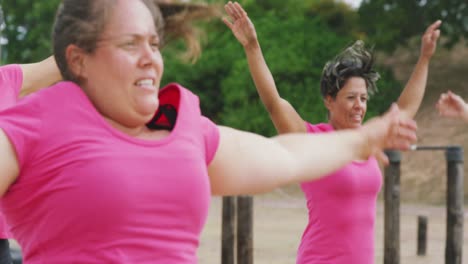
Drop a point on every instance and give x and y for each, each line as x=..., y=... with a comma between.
x=39, y=75
x=247, y=163
x=411, y=97
x=284, y=116
x=453, y=106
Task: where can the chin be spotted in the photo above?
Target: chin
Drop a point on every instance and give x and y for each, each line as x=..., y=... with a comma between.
x=148, y=109
x=357, y=125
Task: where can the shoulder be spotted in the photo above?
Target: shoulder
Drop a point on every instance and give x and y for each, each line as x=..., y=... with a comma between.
x=319, y=128
x=10, y=71
x=182, y=99
x=175, y=91
x=59, y=94
x=11, y=76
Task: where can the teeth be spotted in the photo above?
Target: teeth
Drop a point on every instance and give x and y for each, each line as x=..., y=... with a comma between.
x=145, y=82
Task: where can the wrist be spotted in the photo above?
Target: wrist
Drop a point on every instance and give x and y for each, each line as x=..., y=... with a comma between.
x=252, y=46
x=424, y=59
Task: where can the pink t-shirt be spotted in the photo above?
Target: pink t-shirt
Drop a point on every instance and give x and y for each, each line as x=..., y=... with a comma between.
x=342, y=209
x=88, y=193
x=11, y=80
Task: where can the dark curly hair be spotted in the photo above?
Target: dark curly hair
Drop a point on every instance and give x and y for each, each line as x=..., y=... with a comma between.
x=354, y=61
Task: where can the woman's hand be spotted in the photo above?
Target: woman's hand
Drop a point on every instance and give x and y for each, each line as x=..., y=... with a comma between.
x=389, y=131
x=452, y=106
x=240, y=24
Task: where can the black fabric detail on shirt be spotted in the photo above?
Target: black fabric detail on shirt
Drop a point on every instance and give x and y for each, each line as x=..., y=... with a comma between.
x=169, y=112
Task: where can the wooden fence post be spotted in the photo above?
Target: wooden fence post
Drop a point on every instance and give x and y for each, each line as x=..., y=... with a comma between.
x=228, y=230
x=244, y=230
x=392, y=208
x=422, y=235
x=454, y=241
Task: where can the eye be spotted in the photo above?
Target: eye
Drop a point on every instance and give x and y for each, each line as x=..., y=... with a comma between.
x=363, y=99
x=155, y=45
x=130, y=44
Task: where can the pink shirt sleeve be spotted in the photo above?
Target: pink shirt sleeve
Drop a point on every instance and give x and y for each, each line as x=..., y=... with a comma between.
x=211, y=137
x=11, y=80
x=22, y=123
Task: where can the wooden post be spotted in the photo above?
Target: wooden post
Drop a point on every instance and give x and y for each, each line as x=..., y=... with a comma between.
x=244, y=230
x=422, y=235
x=454, y=242
x=227, y=230
x=392, y=209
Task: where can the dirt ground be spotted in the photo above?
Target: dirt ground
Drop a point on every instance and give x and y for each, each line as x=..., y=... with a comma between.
x=280, y=217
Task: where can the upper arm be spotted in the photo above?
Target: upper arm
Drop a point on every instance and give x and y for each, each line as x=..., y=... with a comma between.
x=247, y=163
x=286, y=119
x=39, y=75
x=9, y=167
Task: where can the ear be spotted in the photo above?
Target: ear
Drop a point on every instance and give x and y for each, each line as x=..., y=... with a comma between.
x=328, y=101
x=76, y=60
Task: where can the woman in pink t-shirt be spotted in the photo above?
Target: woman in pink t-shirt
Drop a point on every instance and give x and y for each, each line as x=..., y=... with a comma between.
x=342, y=205
x=17, y=80
x=106, y=167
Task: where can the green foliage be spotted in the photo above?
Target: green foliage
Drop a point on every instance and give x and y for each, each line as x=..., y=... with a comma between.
x=393, y=22
x=338, y=16
x=388, y=92
x=28, y=29
x=295, y=49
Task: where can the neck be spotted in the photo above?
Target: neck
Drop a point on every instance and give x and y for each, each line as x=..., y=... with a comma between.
x=334, y=125
x=134, y=131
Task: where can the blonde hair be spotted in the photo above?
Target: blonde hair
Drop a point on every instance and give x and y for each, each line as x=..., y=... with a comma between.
x=178, y=23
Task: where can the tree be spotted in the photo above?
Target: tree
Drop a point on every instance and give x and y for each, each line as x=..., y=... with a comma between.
x=389, y=23
x=28, y=29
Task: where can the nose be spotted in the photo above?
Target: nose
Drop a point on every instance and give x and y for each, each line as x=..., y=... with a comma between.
x=359, y=104
x=149, y=55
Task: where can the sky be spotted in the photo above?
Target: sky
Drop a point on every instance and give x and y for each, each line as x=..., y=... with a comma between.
x=353, y=3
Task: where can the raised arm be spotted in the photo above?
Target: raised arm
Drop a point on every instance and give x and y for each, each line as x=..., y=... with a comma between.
x=247, y=163
x=284, y=116
x=39, y=75
x=453, y=106
x=411, y=97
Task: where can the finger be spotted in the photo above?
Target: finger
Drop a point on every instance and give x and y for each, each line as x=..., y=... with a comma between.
x=237, y=10
x=434, y=26
x=241, y=10
x=406, y=134
x=382, y=157
x=443, y=97
x=408, y=124
x=229, y=10
x=436, y=35
x=228, y=23
x=401, y=144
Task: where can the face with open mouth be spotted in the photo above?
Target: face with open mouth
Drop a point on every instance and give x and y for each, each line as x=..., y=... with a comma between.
x=123, y=74
x=349, y=107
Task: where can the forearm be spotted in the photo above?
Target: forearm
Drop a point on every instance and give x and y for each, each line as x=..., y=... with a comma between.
x=315, y=156
x=261, y=75
x=413, y=93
